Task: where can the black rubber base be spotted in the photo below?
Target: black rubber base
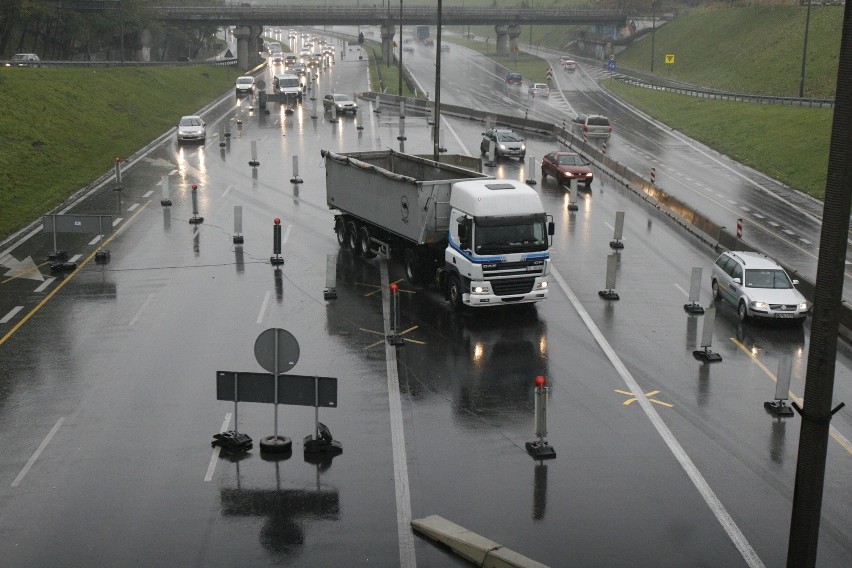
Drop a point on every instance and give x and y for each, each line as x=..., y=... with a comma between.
x=693, y=309
x=778, y=408
x=608, y=294
x=166, y=202
x=232, y=441
x=540, y=450
x=616, y=244
x=707, y=356
x=276, y=444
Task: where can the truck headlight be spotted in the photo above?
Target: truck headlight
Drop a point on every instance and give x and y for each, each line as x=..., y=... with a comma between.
x=482, y=289
x=541, y=285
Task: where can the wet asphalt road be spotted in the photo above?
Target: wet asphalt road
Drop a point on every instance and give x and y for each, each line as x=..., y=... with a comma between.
x=108, y=383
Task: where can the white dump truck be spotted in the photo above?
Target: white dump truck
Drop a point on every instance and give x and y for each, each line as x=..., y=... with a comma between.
x=479, y=240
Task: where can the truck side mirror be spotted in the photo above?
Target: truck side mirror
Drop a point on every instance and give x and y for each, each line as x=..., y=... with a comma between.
x=551, y=228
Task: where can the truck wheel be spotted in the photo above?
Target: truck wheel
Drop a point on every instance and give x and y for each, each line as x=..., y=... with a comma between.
x=411, y=264
x=352, y=237
x=454, y=293
x=340, y=231
x=364, y=242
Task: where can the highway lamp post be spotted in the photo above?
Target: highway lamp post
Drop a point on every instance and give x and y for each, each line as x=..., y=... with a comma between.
x=400, y=48
x=653, y=33
x=805, y=52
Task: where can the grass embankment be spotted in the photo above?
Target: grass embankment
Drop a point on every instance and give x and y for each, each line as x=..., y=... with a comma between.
x=62, y=128
x=747, y=50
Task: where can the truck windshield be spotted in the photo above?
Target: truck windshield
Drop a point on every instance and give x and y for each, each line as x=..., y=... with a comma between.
x=493, y=235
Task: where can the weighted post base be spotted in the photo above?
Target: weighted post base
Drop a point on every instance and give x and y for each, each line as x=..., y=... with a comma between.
x=232, y=441
x=276, y=445
x=707, y=356
x=693, y=309
x=540, y=450
x=778, y=408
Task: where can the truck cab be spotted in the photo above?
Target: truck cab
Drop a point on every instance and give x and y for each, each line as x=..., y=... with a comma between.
x=498, y=244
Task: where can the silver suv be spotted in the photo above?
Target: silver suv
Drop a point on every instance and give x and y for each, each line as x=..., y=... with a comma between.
x=758, y=287
x=592, y=126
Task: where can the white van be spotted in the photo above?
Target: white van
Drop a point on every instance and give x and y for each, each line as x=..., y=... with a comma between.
x=289, y=86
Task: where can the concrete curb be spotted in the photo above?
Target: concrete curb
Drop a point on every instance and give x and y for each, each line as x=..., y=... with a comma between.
x=471, y=546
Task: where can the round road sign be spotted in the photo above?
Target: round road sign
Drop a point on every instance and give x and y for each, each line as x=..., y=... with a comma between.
x=288, y=350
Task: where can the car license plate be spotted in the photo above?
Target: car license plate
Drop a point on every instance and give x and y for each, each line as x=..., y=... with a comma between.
x=785, y=315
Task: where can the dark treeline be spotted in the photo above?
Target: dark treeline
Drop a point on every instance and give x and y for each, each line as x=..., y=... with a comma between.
x=96, y=30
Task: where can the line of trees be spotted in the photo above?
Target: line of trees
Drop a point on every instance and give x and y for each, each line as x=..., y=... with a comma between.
x=94, y=30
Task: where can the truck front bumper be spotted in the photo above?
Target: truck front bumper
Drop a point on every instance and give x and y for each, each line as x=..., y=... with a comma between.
x=482, y=295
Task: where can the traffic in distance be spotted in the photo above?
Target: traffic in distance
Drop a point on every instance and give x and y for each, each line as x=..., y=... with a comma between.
x=646, y=438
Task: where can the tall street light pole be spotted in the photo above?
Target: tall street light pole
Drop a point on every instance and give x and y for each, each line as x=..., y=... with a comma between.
x=436, y=143
x=653, y=33
x=400, y=49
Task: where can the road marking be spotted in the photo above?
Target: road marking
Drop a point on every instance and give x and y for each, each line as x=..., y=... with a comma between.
x=149, y=193
x=734, y=533
x=407, y=558
x=788, y=231
x=685, y=293
x=217, y=450
x=136, y=317
x=774, y=224
x=378, y=289
x=805, y=241
x=95, y=240
x=630, y=401
x=65, y=280
x=38, y=452
x=117, y=221
x=45, y=284
x=834, y=432
x=11, y=314
x=133, y=207
x=758, y=215
x=263, y=307
x=286, y=234
x=401, y=333
x=74, y=258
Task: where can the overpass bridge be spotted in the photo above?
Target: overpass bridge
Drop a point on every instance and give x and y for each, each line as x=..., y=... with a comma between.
x=249, y=20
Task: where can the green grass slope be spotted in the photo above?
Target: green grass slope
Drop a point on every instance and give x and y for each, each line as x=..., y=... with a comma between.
x=61, y=128
x=748, y=50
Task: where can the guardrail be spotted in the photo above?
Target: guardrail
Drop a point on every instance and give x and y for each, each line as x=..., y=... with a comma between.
x=696, y=224
x=725, y=96
x=208, y=62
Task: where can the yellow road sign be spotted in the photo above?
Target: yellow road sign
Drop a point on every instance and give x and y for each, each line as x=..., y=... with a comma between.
x=670, y=58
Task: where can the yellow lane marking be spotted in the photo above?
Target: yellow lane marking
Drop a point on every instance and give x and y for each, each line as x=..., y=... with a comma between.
x=378, y=289
x=648, y=395
x=838, y=437
x=381, y=341
x=65, y=280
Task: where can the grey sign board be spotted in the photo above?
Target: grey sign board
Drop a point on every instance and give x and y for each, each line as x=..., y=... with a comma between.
x=287, y=347
x=94, y=224
x=298, y=390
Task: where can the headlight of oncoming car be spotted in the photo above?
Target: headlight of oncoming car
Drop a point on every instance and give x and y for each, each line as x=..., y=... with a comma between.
x=523, y=146
x=803, y=307
x=759, y=305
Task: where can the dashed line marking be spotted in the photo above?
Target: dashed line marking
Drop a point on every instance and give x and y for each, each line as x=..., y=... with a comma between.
x=96, y=240
x=117, y=221
x=788, y=231
x=758, y=215
x=75, y=258
x=149, y=193
x=774, y=224
x=38, y=452
x=215, y=457
x=806, y=241
x=133, y=207
x=45, y=284
x=11, y=314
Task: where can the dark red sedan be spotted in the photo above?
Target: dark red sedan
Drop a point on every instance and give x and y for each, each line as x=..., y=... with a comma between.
x=565, y=166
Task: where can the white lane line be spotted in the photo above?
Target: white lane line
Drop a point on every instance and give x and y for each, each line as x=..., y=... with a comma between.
x=45, y=284
x=227, y=190
x=788, y=231
x=95, y=241
x=806, y=241
x=722, y=515
x=133, y=207
x=215, y=457
x=11, y=314
x=286, y=235
x=38, y=452
x=263, y=307
x=610, y=226
x=75, y=258
x=407, y=558
x=117, y=221
x=141, y=309
x=149, y=193
x=774, y=224
x=758, y=215
x=173, y=172
x=685, y=293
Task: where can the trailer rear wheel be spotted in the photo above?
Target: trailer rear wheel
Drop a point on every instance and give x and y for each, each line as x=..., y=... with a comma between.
x=340, y=231
x=364, y=242
x=413, y=266
x=352, y=237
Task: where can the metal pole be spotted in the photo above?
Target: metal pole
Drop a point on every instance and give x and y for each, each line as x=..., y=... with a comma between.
x=236, y=397
x=400, y=49
x=275, y=374
x=435, y=142
x=653, y=33
x=819, y=382
x=316, y=407
x=805, y=52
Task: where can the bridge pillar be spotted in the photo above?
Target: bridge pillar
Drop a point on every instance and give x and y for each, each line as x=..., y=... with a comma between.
x=247, y=41
x=514, y=34
x=145, y=41
x=502, y=39
x=387, y=43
